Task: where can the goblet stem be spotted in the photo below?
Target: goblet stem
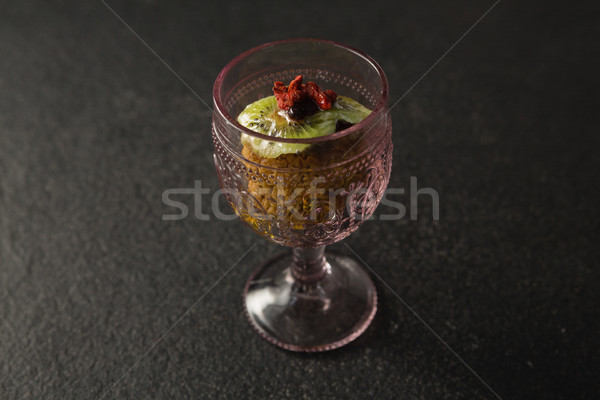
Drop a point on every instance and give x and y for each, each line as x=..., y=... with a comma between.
x=309, y=265
x=303, y=302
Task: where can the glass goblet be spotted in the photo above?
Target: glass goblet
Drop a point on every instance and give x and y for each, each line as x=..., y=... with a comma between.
x=305, y=300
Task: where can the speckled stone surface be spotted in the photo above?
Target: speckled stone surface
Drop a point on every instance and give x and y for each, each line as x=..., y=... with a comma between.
x=94, y=285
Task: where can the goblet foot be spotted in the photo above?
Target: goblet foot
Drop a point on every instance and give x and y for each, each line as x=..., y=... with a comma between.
x=316, y=308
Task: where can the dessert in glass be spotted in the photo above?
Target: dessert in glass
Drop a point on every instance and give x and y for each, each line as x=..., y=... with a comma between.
x=303, y=152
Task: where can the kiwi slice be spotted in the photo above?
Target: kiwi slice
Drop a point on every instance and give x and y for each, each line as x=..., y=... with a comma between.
x=263, y=116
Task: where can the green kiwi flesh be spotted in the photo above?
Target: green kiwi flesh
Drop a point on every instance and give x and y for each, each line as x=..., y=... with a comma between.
x=263, y=116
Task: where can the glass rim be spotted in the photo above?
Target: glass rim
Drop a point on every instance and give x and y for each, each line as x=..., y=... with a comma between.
x=379, y=110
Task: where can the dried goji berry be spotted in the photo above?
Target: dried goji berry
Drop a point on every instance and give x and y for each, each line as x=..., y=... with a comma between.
x=297, y=92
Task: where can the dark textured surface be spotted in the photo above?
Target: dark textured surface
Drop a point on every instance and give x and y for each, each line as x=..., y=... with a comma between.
x=93, y=128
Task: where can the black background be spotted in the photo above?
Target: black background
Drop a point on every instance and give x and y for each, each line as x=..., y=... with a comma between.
x=93, y=129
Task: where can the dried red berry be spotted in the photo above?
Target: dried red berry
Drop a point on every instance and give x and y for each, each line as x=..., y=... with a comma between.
x=297, y=93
